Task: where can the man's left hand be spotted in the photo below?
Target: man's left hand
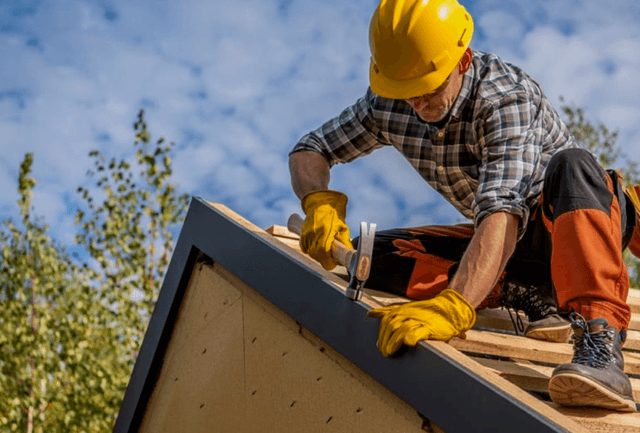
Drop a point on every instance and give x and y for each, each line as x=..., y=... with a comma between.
x=445, y=316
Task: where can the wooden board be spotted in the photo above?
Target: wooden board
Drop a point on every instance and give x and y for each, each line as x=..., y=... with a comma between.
x=531, y=376
x=499, y=320
x=510, y=346
x=601, y=421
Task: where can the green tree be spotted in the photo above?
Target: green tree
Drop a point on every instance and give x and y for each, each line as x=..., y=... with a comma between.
x=54, y=365
x=603, y=143
x=129, y=233
x=70, y=332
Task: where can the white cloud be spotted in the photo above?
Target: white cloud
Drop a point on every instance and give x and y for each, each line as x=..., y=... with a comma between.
x=501, y=30
x=197, y=161
x=235, y=84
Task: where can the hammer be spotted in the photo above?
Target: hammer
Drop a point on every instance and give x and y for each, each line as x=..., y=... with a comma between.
x=357, y=262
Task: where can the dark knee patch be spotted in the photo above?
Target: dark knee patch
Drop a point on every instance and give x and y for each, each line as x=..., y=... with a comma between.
x=574, y=180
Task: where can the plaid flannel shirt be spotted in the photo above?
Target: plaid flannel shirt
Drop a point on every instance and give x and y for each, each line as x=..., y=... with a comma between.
x=488, y=155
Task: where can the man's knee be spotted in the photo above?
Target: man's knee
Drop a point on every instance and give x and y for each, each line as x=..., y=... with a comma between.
x=571, y=160
x=575, y=180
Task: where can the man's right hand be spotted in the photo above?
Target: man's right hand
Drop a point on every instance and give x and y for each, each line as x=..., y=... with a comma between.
x=326, y=211
x=443, y=317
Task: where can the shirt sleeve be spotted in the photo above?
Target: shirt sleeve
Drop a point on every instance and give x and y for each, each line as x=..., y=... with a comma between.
x=354, y=133
x=510, y=155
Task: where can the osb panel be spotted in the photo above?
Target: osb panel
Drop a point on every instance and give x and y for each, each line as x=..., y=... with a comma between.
x=293, y=386
x=204, y=299
x=247, y=367
x=200, y=388
x=390, y=400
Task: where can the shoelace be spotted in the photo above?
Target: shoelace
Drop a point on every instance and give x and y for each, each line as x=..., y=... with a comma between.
x=527, y=301
x=518, y=324
x=593, y=349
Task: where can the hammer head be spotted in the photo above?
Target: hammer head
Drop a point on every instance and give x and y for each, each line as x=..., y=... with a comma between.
x=360, y=264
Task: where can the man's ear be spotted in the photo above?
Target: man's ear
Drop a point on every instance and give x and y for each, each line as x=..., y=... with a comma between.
x=465, y=62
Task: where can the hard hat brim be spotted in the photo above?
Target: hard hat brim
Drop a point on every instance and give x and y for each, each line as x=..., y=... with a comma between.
x=406, y=89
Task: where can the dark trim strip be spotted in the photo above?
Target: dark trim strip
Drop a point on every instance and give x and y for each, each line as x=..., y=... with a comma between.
x=451, y=395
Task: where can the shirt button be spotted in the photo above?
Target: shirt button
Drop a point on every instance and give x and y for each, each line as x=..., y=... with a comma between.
x=440, y=134
x=440, y=169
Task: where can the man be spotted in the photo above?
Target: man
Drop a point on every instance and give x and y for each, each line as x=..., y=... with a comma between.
x=482, y=133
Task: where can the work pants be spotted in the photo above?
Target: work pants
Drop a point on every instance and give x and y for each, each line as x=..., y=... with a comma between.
x=574, y=238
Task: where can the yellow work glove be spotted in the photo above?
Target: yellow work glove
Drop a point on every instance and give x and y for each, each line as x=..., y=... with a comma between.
x=326, y=211
x=441, y=318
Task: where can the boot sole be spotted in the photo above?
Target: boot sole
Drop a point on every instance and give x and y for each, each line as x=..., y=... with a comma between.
x=567, y=389
x=558, y=334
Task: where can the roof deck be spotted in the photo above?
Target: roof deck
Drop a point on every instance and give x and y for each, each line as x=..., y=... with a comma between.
x=493, y=380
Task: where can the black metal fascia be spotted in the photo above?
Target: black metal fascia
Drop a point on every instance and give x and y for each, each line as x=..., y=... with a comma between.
x=451, y=395
x=156, y=338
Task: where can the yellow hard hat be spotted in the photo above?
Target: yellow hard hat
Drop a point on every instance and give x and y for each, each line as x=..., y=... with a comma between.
x=415, y=45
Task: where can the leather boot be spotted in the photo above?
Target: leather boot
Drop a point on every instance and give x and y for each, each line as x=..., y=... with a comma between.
x=595, y=376
x=539, y=304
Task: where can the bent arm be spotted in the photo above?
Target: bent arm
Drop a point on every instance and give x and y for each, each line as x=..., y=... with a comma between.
x=309, y=172
x=492, y=245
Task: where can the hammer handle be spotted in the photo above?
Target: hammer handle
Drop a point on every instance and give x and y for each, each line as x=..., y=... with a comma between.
x=339, y=251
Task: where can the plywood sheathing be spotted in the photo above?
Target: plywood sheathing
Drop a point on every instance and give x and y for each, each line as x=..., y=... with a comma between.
x=235, y=363
x=202, y=374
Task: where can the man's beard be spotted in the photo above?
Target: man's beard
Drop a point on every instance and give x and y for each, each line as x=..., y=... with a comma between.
x=441, y=114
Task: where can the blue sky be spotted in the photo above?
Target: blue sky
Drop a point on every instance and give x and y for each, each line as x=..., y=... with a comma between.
x=236, y=83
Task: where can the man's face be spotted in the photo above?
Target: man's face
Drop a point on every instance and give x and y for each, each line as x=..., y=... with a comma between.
x=434, y=106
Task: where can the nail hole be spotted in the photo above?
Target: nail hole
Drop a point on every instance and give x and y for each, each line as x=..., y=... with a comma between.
x=254, y=392
x=321, y=349
x=285, y=353
x=292, y=403
x=319, y=379
x=254, y=340
x=330, y=418
x=204, y=351
x=359, y=410
x=175, y=380
x=201, y=406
